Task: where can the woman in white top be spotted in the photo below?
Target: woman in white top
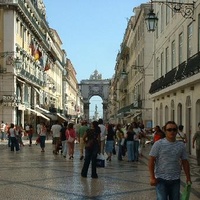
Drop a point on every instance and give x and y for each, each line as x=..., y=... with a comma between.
x=14, y=141
x=137, y=131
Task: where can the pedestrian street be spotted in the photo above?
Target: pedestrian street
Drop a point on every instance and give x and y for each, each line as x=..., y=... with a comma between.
x=31, y=174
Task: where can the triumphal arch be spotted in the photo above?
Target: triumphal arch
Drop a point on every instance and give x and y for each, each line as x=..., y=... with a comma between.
x=95, y=86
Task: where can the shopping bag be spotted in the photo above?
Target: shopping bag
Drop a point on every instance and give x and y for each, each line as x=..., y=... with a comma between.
x=122, y=141
x=186, y=192
x=100, y=160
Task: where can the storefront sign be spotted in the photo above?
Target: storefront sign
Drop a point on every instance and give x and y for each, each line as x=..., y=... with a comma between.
x=9, y=98
x=9, y=104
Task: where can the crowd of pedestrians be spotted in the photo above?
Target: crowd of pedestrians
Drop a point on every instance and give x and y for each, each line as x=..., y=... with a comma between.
x=124, y=141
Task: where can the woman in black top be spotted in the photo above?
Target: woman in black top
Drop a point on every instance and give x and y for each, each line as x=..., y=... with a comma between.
x=110, y=141
x=92, y=145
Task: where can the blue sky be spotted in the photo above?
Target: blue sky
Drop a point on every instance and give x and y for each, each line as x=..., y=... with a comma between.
x=91, y=32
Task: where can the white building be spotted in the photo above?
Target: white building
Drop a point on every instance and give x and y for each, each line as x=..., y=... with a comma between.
x=176, y=86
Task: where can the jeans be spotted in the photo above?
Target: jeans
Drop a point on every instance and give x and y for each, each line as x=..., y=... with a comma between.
x=90, y=155
x=2, y=135
x=42, y=141
x=9, y=141
x=64, y=147
x=130, y=150
x=136, y=150
x=168, y=189
x=30, y=139
x=120, y=152
x=14, y=144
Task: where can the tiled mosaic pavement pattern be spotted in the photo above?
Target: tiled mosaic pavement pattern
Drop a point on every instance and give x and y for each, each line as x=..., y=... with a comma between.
x=33, y=175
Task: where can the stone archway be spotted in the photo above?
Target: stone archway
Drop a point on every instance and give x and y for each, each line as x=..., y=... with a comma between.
x=95, y=86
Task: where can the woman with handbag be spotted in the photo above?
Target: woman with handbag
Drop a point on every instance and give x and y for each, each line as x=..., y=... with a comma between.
x=92, y=146
x=71, y=136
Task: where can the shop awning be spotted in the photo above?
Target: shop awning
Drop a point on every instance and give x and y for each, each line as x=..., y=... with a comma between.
x=61, y=116
x=48, y=114
x=51, y=116
x=38, y=113
x=42, y=109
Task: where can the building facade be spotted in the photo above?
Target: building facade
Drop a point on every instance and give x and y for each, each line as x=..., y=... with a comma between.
x=32, y=65
x=129, y=97
x=174, y=90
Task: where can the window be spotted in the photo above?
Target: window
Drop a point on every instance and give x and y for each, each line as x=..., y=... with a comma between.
x=173, y=55
x=167, y=15
x=180, y=51
x=162, y=17
x=167, y=60
x=198, y=32
x=162, y=64
x=189, y=48
x=157, y=69
x=21, y=30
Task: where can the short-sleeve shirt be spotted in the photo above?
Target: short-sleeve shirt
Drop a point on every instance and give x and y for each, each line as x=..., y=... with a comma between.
x=168, y=156
x=56, y=130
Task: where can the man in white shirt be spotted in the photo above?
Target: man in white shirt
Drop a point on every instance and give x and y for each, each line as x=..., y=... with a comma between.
x=55, y=129
x=102, y=135
x=3, y=129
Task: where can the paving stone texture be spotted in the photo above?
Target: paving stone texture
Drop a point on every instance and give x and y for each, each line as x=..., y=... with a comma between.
x=32, y=175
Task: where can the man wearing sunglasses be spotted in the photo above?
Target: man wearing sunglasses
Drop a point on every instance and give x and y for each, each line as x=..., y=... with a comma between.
x=165, y=165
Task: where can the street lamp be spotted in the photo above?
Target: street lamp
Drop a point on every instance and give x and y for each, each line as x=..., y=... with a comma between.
x=140, y=69
x=186, y=10
x=18, y=65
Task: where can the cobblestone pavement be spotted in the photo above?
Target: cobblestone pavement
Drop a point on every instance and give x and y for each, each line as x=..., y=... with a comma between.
x=31, y=174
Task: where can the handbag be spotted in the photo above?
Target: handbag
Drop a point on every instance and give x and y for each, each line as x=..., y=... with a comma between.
x=70, y=139
x=186, y=192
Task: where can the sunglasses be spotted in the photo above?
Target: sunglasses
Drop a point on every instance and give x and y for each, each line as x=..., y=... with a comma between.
x=171, y=129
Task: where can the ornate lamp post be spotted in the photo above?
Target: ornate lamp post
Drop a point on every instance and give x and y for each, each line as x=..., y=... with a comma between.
x=185, y=9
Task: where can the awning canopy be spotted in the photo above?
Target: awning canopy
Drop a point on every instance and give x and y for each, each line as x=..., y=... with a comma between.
x=47, y=113
x=61, y=116
x=42, y=109
x=38, y=113
x=51, y=116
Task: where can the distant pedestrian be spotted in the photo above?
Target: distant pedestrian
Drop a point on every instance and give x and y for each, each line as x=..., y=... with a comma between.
x=8, y=134
x=30, y=135
x=102, y=135
x=13, y=138
x=158, y=133
x=137, y=137
x=82, y=130
x=120, y=141
x=63, y=139
x=27, y=128
x=181, y=136
x=55, y=129
x=92, y=146
x=43, y=133
x=130, y=143
x=165, y=166
x=110, y=141
x=71, y=137
x=196, y=139
x=3, y=130
x=19, y=134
